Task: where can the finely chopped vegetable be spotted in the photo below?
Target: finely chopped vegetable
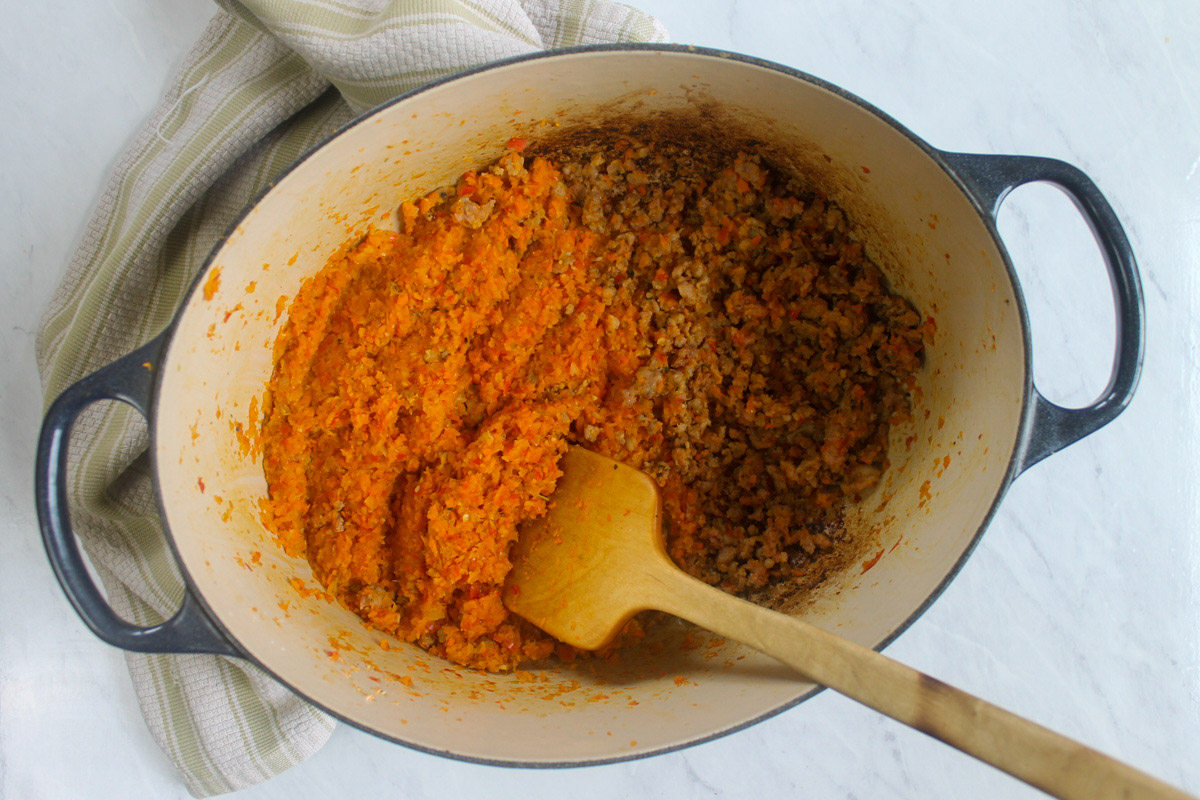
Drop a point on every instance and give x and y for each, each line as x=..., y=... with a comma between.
x=713, y=325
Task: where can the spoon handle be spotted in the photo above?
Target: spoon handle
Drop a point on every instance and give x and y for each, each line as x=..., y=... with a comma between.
x=1042, y=758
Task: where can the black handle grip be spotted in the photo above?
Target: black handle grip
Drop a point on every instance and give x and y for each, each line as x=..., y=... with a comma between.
x=130, y=380
x=990, y=178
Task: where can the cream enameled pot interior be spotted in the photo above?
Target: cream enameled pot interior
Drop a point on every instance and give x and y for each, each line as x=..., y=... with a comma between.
x=948, y=467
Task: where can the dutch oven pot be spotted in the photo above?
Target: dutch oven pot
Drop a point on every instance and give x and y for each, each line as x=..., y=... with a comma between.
x=927, y=217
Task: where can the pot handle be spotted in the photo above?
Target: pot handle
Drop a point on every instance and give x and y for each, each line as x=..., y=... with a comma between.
x=131, y=380
x=990, y=178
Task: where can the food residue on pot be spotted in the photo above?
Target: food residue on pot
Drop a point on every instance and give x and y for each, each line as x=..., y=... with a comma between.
x=212, y=284
x=705, y=319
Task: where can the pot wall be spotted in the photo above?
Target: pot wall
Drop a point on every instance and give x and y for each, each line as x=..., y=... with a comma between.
x=949, y=465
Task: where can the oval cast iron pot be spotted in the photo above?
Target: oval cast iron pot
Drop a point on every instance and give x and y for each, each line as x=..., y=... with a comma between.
x=926, y=216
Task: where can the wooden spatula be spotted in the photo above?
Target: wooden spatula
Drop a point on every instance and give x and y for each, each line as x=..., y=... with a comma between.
x=598, y=558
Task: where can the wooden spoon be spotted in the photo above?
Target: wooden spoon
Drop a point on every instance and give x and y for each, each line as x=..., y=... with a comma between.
x=597, y=558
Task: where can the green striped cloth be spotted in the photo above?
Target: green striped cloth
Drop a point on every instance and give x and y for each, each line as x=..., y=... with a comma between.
x=268, y=80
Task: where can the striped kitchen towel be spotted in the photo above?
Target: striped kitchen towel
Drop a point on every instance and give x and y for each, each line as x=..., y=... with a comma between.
x=268, y=80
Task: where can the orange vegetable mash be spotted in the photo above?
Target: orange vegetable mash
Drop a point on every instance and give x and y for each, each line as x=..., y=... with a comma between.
x=719, y=330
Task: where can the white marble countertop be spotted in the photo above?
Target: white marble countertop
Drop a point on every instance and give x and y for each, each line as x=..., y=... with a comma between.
x=1081, y=607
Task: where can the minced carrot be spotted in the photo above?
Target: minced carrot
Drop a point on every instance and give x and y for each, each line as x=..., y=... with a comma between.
x=212, y=284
